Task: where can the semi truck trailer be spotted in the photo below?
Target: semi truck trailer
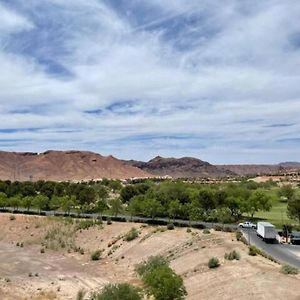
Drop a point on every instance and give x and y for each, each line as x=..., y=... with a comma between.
x=266, y=231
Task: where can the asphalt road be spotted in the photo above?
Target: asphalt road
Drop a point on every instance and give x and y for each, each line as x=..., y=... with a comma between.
x=284, y=253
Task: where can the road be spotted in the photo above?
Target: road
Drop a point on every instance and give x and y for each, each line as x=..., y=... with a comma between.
x=285, y=253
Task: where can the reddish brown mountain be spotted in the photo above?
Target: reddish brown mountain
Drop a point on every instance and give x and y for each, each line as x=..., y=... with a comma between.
x=64, y=166
x=185, y=167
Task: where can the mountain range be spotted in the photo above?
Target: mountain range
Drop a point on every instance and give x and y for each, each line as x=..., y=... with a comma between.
x=85, y=165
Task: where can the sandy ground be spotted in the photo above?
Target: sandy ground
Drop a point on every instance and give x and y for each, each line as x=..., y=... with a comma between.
x=26, y=273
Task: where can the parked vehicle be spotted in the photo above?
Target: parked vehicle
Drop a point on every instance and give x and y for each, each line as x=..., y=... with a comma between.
x=266, y=231
x=295, y=238
x=247, y=225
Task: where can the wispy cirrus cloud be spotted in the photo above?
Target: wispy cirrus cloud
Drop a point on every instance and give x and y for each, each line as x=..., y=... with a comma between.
x=216, y=80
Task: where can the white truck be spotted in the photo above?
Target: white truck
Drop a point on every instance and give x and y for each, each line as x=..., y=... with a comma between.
x=266, y=231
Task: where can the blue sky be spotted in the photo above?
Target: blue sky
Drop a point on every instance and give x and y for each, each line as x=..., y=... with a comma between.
x=218, y=80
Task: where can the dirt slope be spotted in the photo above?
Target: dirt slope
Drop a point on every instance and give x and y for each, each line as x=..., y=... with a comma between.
x=26, y=273
x=64, y=165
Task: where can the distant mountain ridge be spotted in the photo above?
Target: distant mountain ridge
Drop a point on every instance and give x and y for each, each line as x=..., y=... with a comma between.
x=86, y=165
x=185, y=167
x=64, y=166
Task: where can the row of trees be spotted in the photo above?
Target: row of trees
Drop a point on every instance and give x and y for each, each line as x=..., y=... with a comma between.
x=224, y=203
x=85, y=192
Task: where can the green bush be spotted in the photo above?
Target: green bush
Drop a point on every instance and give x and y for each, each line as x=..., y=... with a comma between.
x=96, y=255
x=152, y=263
x=80, y=295
x=170, y=226
x=213, y=263
x=253, y=251
x=287, y=269
x=131, y=235
x=233, y=255
x=121, y=291
x=206, y=231
x=164, y=284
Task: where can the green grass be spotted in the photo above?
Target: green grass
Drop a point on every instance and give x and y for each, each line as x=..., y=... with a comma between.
x=277, y=215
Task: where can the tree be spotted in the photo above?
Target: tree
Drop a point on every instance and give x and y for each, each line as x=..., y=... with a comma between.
x=151, y=208
x=223, y=215
x=15, y=202
x=41, y=202
x=135, y=205
x=206, y=199
x=27, y=202
x=164, y=284
x=3, y=200
x=286, y=191
x=67, y=202
x=174, y=209
x=128, y=192
x=195, y=212
x=116, y=206
x=101, y=192
x=259, y=200
x=101, y=206
x=121, y=291
x=55, y=202
x=293, y=208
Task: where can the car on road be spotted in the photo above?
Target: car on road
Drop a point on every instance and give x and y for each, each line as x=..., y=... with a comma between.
x=247, y=225
x=295, y=238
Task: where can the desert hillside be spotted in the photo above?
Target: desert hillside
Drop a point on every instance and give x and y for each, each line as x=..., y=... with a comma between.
x=64, y=266
x=64, y=166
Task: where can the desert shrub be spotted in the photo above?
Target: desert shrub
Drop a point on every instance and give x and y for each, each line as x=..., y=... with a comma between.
x=42, y=250
x=244, y=240
x=233, y=255
x=206, y=231
x=253, y=251
x=60, y=237
x=238, y=235
x=213, y=263
x=164, y=284
x=217, y=228
x=108, y=221
x=227, y=229
x=12, y=217
x=188, y=230
x=80, y=295
x=131, y=235
x=121, y=291
x=152, y=263
x=86, y=224
x=170, y=226
x=287, y=269
x=96, y=255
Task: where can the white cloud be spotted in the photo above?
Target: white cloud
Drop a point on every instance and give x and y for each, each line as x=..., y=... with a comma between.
x=238, y=64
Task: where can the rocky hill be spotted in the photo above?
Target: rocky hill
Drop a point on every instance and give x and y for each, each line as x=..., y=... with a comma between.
x=254, y=169
x=64, y=166
x=185, y=167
